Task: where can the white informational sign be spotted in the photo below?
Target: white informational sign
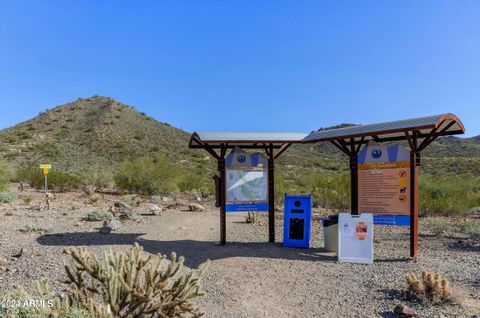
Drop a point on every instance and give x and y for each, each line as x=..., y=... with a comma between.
x=247, y=185
x=246, y=181
x=355, y=238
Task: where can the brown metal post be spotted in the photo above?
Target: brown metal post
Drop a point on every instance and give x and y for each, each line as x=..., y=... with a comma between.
x=354, y=182
x=216, y=180
x=223, y=216
x=414, y=163
x=271, y=196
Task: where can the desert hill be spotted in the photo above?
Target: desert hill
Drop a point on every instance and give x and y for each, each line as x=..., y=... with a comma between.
x=91, y=133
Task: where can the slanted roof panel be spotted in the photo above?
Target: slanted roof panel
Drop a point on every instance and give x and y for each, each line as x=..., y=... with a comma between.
x=389, y=129
x=249, y=137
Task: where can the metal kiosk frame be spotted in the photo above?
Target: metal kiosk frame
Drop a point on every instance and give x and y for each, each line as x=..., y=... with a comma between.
x=217, y=144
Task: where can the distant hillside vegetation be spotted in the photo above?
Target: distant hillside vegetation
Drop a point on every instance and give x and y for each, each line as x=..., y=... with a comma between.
x=98, y=133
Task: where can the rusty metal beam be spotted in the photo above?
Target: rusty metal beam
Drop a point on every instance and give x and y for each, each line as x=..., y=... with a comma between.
x=281, y=150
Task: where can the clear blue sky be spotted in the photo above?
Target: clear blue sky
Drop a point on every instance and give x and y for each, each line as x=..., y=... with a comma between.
x=245, y=65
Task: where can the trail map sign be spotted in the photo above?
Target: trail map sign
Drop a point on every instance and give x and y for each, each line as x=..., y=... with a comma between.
x=384, y=183
x=246, y=182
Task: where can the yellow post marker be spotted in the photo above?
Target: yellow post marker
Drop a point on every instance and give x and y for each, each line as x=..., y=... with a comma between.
x=46, y=169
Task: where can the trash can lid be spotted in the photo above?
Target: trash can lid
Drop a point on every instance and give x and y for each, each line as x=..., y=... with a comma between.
x=330, y=220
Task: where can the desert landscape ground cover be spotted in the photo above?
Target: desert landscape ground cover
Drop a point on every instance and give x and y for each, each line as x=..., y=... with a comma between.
x=248, y=277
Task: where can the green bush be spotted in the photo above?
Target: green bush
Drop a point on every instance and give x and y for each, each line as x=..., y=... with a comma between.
x=97, y=216
x=5, y=175
x=148, y=176
x=437, y=225
x=6, y=197
x=447, y=193
x=330, y=190
x=98, y=178
x=472, y=229
x=195, y=182
x=58, y=181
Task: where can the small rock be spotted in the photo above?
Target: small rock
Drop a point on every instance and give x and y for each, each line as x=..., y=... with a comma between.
x=404, y=311
x=195, y=207
x=155, y=209
x=113, y=224
x=19, y=254
x=122, y=205
x=198, y=199
x=3, y=262
x=166, y=199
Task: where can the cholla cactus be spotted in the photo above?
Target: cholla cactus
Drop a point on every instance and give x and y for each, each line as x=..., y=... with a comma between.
x=121, y=285
x=125, y=285
x=432, y=285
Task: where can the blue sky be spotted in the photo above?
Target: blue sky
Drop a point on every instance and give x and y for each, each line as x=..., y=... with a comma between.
x=245, y=65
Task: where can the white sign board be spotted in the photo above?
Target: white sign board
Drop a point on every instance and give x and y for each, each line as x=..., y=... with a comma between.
x=355, y=238
x=247, y=185
x=246, y=181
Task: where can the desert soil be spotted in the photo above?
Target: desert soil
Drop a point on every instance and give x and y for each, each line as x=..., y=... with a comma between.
x=248, y=277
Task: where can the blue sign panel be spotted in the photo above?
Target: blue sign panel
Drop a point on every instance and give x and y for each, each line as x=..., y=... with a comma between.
x=246, y=207
x=393, y=220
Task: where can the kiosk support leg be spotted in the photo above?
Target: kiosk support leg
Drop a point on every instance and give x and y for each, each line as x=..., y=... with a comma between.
x=223, y=217
x=414, y=163
x=354, y=183
x=271, y=198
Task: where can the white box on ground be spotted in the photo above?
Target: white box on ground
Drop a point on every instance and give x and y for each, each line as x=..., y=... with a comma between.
x=355, y=238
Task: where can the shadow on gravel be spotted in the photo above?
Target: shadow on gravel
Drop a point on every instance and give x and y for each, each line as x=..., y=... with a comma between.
x=195, y=252
x=465, y=246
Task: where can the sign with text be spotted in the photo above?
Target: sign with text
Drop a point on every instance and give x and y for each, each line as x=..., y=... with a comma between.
x=355, y=238
x=384, y=181
x=246, y=182
x=45, y=168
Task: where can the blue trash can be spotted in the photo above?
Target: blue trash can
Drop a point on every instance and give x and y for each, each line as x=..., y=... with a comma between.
x=297, y=220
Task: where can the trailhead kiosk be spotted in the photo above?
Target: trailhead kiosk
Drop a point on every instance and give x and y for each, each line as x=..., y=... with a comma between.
x=396, y=173
x=271, y=144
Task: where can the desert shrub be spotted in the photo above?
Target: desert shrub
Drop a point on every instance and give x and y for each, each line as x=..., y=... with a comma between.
x=98, y=215
x=27, y=199
x=330, y=190
x=31, y=227
x=280, y=187
x=57, y=180
x=147, y=176
x=472, y=229
x=5, y=174
x=98, y=178
x=448, y=193
x=437, y=225
x=475, y=210
x=432, y=287
x=120, y=285
x=195, y=182
x=6, y=197
x=76, y=206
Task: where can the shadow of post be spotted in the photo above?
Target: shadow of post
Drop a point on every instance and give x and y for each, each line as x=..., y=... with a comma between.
x=195, y=252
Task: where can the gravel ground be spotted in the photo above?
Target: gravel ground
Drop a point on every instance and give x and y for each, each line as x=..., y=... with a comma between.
x=247, y=277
